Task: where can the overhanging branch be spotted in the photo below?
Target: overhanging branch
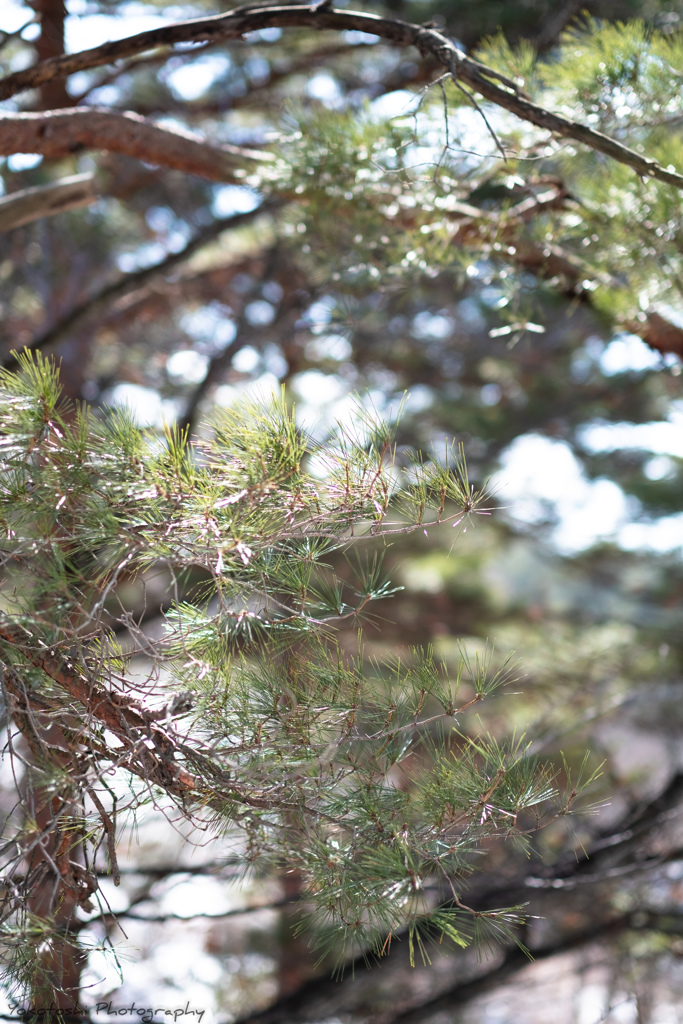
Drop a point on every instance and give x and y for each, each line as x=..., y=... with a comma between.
x=486, y=81
x=60, y=133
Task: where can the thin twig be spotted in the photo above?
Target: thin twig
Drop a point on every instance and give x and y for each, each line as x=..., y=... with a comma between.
x=110, y=830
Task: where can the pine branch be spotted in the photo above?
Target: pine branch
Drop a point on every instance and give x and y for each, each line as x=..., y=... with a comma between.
x=60, y=133
x=132, y=723
x=235, y=25
x=293, y=743
x=127, y=719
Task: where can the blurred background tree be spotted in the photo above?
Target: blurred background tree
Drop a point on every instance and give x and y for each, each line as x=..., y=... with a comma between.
x=360, y=232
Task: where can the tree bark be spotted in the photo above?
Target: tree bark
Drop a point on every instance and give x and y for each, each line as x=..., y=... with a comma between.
x=51, y=43
x=31, y=204
x=60, y=133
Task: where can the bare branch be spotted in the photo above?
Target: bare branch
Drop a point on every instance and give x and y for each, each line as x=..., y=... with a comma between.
x=46, y=200
x=233, y=25
x=59, y=133
x=110, y=831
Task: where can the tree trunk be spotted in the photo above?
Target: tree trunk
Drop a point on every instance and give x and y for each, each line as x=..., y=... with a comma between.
x=50, y=43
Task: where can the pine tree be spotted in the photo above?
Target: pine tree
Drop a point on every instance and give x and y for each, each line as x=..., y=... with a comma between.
x=253, y=720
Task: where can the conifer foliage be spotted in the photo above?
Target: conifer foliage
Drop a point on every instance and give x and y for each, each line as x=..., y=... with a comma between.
x=250, y=717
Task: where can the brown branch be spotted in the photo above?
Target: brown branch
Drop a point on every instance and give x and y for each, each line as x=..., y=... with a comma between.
x=110, y=831
x=132, y=724
x=49, y=742
x=233, y=25
x=59, y=133
x=484, y=80
x=31, y=204
x=113, y=710
x=126, y=718
x=659, y=333
x=52, y=15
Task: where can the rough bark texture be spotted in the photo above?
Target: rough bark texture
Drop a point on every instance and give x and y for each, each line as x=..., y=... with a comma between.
x=50, y=43
x=61, y=133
